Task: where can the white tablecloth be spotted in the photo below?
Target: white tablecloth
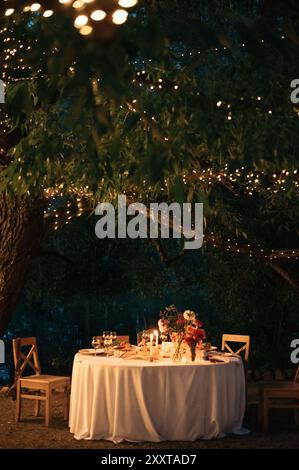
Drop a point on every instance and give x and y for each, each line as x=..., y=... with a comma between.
x=135, y=400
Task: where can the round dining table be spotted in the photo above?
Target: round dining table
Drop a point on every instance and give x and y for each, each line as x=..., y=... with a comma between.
x=136, y=400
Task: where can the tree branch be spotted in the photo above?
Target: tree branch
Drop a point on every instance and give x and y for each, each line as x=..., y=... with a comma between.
x=285, y=274
x=162, y=253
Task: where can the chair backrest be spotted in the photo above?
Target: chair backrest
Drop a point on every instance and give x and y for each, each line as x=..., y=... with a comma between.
x=124, y=339
x=240, y=339
x=24, y=359
x=296, y=379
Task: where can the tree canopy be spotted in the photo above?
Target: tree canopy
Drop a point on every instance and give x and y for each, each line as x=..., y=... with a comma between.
x=186, y=101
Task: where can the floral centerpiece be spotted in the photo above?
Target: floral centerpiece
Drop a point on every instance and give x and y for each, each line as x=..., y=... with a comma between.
x=182, y=329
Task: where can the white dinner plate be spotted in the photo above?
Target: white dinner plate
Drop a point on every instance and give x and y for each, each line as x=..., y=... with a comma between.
x=92, y=352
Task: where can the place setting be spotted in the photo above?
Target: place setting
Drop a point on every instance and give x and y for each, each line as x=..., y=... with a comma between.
x=179, y=338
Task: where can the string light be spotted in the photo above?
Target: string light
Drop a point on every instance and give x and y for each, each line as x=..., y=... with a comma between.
x=109, y=12
x=127, y=3
x=81, y=201
x=119, y=17
x=98, y=15
x=48, y=13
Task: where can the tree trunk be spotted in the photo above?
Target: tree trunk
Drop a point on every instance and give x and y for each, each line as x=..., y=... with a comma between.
x=21, y=230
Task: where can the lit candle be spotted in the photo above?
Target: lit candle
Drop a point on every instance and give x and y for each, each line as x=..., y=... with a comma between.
x=151, y=344
x=157, y=338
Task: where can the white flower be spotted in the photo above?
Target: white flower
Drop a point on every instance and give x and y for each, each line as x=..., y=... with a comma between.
x=189, y=315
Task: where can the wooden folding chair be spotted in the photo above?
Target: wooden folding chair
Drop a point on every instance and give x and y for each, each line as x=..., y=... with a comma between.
x=39, y=387
x=243, y=350
x=279, y=394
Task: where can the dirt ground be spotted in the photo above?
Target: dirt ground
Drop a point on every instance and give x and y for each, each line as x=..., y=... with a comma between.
x=32, y=433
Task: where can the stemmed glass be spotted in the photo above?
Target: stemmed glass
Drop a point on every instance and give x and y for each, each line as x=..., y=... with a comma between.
x=95, y=343
x=145, y=339
x=107, y=341
x=114, y=335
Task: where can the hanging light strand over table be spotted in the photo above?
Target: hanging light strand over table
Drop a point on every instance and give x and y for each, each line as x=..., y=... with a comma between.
x=87, y=14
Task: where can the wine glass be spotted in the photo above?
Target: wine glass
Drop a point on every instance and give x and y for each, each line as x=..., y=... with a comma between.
x=145, y=337
x=107, y=340
x=95, y=343
x=110, y=340
x=114, y=336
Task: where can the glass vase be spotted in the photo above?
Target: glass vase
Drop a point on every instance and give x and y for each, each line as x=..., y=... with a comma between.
x=177, y=352
x=193, y=353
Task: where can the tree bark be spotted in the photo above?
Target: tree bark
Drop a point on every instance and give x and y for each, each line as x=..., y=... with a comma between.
x=21, y=231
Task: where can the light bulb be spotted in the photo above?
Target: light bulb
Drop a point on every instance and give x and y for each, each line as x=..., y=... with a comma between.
x=80, y=21
x=48, y=13
x=98, y=15
x=86, y=30
x=78, y=4
x=127, y=3
x=119, y=16
x=35, y=6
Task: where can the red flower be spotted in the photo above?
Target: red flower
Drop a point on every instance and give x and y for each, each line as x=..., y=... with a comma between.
x=190, y=330
x=200, y=334
x=194, y=335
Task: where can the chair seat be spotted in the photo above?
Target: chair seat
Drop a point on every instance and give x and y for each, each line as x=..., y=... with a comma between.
x=281, y=391
x=279, y=385
x=43, y=379
x=281, y=394
x=283, y=403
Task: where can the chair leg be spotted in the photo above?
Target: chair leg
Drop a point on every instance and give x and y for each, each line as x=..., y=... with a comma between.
x=66, y=402
x=18, y=401
x=48, y=406
x=265, y=415
x=260, y=415
x=261, y=409
x=37, y=407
